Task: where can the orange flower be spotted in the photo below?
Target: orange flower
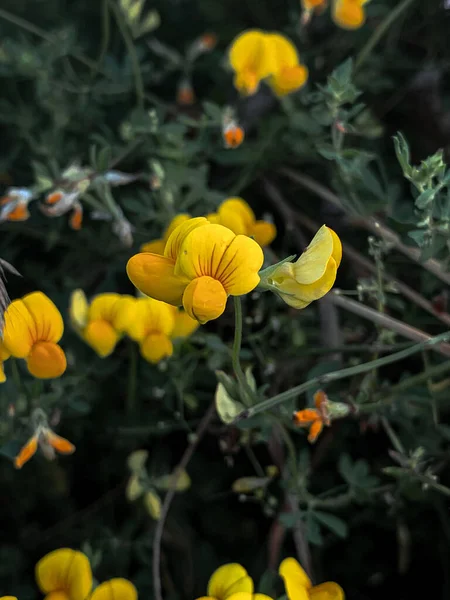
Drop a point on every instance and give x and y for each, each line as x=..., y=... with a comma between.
x=233, y=135
x=314, y=418
x=45, y=439
x=76, y=219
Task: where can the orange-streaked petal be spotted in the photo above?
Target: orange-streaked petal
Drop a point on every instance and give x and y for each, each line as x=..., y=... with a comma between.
x=296, y=581
x=46, y=360
x=229, y=579
x=59, y=443
x=263, y=232
x=179, y=234
x=155, y=347
x=101, y=336
x=204, y=299
x=305, y=417
x=154, y=276
x=314, y=431
x=327, y=591
x=115, y=589
x=26, y=452
x=239, y=266
x=49, y=324
x=65, y=570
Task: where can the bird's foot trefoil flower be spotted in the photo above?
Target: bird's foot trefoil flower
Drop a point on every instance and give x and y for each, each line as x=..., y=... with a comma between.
x=323, y=413
x=299, y=587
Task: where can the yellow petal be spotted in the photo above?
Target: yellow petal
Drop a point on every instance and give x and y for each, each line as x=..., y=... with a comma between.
x=19, y=331
x=4, y=355
x=151, y=316
x=26, y=452
x=184, y=325
x=124, y=313
x=58, y=595
x=178, y=235
x=327, y=591
x=136, y=460
x=155, y=347
x=134, y=488
x=229, y=579
x=115, y=589
x=182, y=481
x=46, y=360
x=178, y=220
x=101, y=336
x=78, y=309
x=313, y=262
x=8, y=598
x=249, y=53
x=65, y=570
x=337, y=247
x=204, y=299
x=103, y=307
x=348, y=14
x=244, y=596
x=153, y=505
x=300, y=295
x=213, y=218
x=263, y=233
x=154, y=276
x=155, y=247
x=49, y=324
x=284, y=53
x=239, y=266
x=2, y=374
x=289, y=79
x=296, y=581
x=237, y=215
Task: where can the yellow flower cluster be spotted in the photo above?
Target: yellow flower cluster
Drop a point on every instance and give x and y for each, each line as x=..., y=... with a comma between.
x=348, y=14
x=232, y=582
x=233, y=213
x=257, y=56
x=110, y=316
x=33, y=328
x=66, y=574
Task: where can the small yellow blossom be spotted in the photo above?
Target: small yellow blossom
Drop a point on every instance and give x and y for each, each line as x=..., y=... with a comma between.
x=66, y=574
x=4, y=355
x=33, y=328
x=228, y=580
x=256, y=55
x=349, y=14
x=237, y=215
x=8, y=598
x=152, y=327
x=311, y=276
x=157, y=246
x=203, y=264
x=299, y=587
x=102, y=323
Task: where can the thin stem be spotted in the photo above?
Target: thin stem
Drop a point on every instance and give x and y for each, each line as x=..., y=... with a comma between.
x=201, y=430
x=132, y=378
x=244, y=389
x=105, y=36
x=322, y=380
x=428, y=481
x=138, y=82
x=379, y=32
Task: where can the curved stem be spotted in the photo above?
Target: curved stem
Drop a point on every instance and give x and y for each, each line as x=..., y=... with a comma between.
x=245, y=392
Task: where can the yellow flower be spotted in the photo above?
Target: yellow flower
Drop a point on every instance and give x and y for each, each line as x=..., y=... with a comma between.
x=237, y=215
x=349, y=14
x=8, y=598
x=251, y=60
x=33, y=328
x=299, y=587
x=102, y=323
x=157, y=246
x=288, y=74
x=228, y=580
x=203, y=264
x=65, y=574
x=311, y=276
x=184, y=325
x=4, y=355
x=152, y=327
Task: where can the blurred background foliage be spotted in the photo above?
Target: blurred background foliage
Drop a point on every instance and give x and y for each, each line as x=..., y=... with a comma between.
x=85, y=83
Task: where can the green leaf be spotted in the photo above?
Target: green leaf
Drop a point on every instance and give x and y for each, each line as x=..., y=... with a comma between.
x=227, y=408
x=313, y=530
x=403, y=154
x=425, y=198
x=333, y=523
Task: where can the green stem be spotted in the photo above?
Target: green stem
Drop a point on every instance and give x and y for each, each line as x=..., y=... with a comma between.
x=322, y=380
x=132, y=378
x=244, y=389
x=138, y=82
x=15, y=374
x=429, y=481
x=105, y=36
x=379, y=32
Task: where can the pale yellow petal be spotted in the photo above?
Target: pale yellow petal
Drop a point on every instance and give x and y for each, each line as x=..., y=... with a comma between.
x=300, y=295
x=65, y=570
x=337, y=247
x=313, y=262
x=154, y=276
x=152, y=503
x=296, y=581
x=46, y=360
x=327, y=591
x=78, y=309
x=49, y=324
x=115, y=589
x=229, y=579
